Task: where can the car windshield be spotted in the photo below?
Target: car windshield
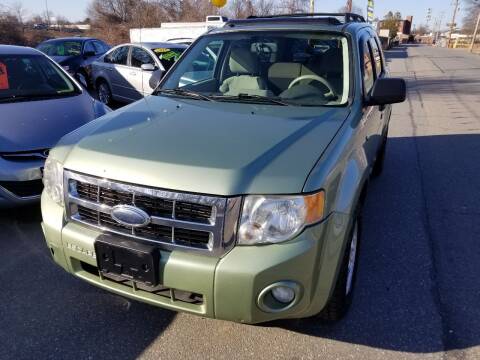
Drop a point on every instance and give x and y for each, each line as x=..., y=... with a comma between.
x=61, y=48
x=276, y=67
x=168, y=56
x=32, y=76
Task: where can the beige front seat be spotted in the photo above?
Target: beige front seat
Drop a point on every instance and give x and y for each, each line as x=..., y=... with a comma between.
x=243, y=63
x=281, y=75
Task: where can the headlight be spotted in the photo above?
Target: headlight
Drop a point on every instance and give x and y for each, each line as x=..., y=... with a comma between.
x=53, y=180
x=273, y=219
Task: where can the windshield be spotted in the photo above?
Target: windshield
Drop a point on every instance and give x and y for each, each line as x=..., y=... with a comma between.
x=28, y=76
x=61, y=48
x=168, y=56
x=291, y=67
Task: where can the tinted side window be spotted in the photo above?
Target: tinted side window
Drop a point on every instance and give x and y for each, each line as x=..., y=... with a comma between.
x=368, y=75
x=118, y=56
x=88, y=48
x=377, y=57
x=140, y=57
x=99, y=48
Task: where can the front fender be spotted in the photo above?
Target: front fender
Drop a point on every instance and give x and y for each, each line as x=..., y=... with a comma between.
x=351, y=185
x=343, y=169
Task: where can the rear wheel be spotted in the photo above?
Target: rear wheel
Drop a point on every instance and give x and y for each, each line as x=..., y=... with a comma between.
x=341, y=298
x=104, y=93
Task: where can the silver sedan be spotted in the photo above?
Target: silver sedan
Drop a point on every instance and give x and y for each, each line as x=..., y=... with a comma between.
x=129, y=72
x=39, y=103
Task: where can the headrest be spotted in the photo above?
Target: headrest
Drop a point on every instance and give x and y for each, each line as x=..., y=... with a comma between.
x=288, y=70
x=242, y=61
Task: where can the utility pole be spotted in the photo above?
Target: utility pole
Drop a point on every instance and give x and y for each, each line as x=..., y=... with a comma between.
x=312, y=6
x=452, y=23
x=429, y=17
x=47, y=12
x=475, y=33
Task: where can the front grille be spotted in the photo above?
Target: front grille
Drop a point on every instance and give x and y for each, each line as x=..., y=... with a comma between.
x=23, y=188
x=176, y=219
x=152, y=205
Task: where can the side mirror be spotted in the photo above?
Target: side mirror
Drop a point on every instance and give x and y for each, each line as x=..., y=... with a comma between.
x=388, y=91
x=148, y=67
x=155, y=79
x=88, y=54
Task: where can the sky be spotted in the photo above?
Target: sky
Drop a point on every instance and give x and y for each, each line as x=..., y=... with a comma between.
x=75, y=10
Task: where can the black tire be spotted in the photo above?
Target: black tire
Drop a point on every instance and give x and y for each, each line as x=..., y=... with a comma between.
x=104, y=94
x=341, y=299
x=379, y=162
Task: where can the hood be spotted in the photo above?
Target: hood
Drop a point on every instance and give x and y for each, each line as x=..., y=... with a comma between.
x=35, y=125
x=208, y=147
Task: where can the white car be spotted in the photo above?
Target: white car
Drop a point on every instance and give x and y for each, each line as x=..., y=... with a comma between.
x=129, y=72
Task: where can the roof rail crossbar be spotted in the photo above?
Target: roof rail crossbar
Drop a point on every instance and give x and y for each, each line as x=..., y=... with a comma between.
x=349, y=17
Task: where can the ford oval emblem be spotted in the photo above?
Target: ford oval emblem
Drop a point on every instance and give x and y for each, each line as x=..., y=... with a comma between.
x=130, y=216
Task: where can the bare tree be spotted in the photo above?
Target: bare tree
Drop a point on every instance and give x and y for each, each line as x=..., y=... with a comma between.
x=355, y=9
x=294, y=6
x=11, y=30
x=421, y=29
x=473, y=9
x=264, y=7
x=19, y=11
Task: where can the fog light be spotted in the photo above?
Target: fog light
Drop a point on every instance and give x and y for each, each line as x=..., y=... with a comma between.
x=280, y=296
x=283, y=294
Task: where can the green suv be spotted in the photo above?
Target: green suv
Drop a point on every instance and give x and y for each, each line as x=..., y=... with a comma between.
x=235, y=190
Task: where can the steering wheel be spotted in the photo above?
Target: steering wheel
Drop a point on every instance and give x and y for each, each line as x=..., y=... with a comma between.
x=312, y=77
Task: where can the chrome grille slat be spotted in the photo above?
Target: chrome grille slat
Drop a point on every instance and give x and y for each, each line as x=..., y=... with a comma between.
x=202, y=231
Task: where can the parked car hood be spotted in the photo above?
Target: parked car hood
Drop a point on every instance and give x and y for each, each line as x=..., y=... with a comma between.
x=205, y=147
x=36, y=125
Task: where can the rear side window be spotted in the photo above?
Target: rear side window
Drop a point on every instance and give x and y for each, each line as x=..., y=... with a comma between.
x=377, y=57
x=99, y=48
x=118, y=56
x=368, y=74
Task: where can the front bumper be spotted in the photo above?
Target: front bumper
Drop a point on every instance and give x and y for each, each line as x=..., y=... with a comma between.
x=229, y=286
x=13, y=171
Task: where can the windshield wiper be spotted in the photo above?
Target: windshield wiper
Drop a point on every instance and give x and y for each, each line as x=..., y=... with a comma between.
x=250, y=98
x=183, y=92
x=15, y=98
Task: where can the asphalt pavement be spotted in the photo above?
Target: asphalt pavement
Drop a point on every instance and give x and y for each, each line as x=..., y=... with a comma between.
x=418, y=286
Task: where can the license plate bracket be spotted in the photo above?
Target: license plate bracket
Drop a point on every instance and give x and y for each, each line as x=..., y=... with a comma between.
x=128, y=259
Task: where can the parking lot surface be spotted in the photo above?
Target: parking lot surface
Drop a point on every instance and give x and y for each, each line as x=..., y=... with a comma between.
x=418, y=288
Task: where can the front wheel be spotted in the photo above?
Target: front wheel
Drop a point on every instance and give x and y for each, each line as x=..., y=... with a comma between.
x=341, y=299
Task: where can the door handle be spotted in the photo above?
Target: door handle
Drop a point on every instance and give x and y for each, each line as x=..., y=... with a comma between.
x=133, y=73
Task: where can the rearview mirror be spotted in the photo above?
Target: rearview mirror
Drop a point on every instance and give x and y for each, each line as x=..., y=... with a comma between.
x=148, y=67
x=388, y=91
